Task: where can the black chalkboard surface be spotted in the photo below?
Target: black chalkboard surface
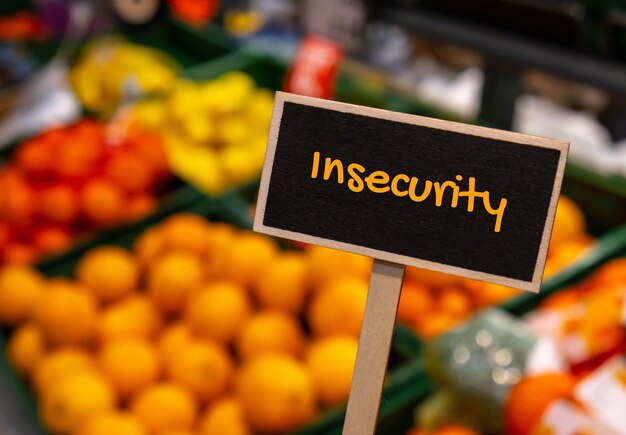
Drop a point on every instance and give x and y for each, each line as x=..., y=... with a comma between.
x=456, y=198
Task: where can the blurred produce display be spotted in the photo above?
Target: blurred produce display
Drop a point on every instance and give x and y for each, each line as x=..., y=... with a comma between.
x=69, y=181
x=433, y=302
x=215, y=131
x=200, y=327
x=562, y=368
x=111, y=71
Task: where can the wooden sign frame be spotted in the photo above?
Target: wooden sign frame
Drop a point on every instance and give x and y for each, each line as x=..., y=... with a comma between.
x=561, y=146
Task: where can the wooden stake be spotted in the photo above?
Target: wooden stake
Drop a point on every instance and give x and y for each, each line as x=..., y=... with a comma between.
x=374, y=344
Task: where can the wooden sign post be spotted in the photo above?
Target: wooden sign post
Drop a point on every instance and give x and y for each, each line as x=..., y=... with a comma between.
x=407, y=190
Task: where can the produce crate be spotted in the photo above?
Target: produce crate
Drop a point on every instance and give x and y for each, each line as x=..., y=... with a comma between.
x=404, y=385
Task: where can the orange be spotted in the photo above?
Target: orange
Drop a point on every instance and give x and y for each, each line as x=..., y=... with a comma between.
x=20, y=289
x=149, y=245
x=135, y=316
x=129, y=171
x=102, y=202
x=139, y=206
x=150, y=148
x=75, y=399
x=56, y=365
x=173, y=338
x=220, y=236
x=224, y=417
x=76, y=158
x=20, y=253
x=530, y=398
x=26, y=348
x=66, y=313
x=486, y=293
x=130, y=364
x=612, y=271
x=218, y=310
x=430, y=277
x=204, y=368
x=35, y=156
x=569, y=221
x=248, y=256
x=436, y=323
x=454, y=300
x=271, y=331
x=564, y=254
x=51, y=239
x=325, y=264
x=276, y=393
x=415, y=302
x=58, y=203
x=186, y=232
x=283, y=285
x=330, y=361
x=171, y=279
x=165, y=406
x=18, y=198
x=112, y=423
x=109, y=272
x=562, y=299
x=338, y=307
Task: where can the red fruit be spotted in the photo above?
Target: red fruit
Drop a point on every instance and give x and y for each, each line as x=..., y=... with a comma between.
x=58, y=203
x=52, y=239
x=140, y=206
x=20, y=253
x=130, y=171
x=36, y=157
x=102, y=202
x=150, y=148
x=77, y=159
x=5, y=233
x=16, y=198
x=89, y=129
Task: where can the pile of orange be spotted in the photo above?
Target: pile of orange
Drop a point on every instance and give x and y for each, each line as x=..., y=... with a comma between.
x=433, y=302
x=71, y=180
x=199, y=329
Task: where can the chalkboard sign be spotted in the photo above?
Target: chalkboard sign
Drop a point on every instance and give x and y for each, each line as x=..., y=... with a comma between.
x=441, y=195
